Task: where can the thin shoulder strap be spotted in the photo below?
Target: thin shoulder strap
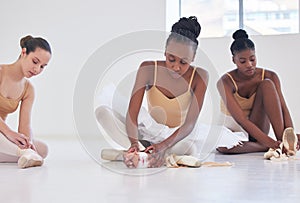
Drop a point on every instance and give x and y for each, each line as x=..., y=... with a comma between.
x=192, y=78
x=155, y=71
x=234, y=83
x=263, y=74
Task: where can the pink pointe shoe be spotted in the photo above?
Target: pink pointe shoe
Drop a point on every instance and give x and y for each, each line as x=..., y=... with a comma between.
x=29, y=158
x=290, y=141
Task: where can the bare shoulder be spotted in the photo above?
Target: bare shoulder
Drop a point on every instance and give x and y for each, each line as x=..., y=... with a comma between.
x=225, y=80
x=202, y=74
x=145, y=73
x=29, y=89
x=1, y=71
x=1, y=68
x=29, y=84
x=147, y=64
x=270, y=74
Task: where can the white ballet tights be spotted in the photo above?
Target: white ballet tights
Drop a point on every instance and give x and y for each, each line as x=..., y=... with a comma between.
x=114, y=125
x=10, y=152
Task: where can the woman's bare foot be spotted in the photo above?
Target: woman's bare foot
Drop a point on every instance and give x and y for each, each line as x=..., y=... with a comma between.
x=245, y=147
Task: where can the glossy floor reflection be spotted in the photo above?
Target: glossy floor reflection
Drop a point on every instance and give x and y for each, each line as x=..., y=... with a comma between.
x=71, y=175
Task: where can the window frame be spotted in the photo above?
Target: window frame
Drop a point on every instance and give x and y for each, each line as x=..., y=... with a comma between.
x=173, y=13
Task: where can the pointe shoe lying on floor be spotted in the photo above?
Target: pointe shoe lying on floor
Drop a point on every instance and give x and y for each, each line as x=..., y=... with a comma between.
x=29, y=158
x=276, y=154
x=112, y=154
x=139, y=159
x=174, y=161
x=290, y=141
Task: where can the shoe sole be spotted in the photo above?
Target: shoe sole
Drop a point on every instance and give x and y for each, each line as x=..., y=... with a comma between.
x=26, y=163
x=290, y=141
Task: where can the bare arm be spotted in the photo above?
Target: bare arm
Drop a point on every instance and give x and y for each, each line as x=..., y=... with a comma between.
x=17, y=138
x=142, y=79
x=25, y=113
x=226, y=90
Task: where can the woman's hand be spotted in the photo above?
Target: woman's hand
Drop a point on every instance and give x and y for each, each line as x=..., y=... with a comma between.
x=131, y=159
x=156, y=155
x=134, y=147
x=131, y=156
x=19, y=139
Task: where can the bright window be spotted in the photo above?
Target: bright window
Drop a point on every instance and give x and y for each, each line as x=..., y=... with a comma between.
x=220, y=18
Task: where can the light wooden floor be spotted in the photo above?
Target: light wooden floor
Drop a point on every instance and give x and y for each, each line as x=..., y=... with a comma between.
x=71, y=175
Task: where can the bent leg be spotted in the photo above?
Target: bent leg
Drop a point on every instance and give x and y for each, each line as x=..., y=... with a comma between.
x=113, y=124
x=5, y=158
x=267, y=109
x=41, y=148
x=7, y=147
x=184, y=147
x=9, y=152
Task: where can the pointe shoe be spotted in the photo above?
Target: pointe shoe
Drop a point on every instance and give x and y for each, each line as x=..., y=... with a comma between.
x=29, y=158
x=112, y=154
x=187, y=161
x=276, y=154
x=184, y=160
x=136, y=160
x=273, y=153
x=290, y=141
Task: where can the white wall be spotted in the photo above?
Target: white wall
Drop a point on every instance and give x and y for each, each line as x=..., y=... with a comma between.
x=75, y=29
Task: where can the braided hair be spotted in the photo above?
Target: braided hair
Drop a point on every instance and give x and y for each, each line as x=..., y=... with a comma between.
x=186, y=30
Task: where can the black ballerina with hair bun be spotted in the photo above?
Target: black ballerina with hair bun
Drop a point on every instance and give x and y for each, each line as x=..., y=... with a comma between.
x=241, y=42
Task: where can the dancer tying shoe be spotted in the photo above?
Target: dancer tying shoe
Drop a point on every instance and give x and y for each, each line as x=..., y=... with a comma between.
x=19, y=146
x=252, y=100
x=175, y=92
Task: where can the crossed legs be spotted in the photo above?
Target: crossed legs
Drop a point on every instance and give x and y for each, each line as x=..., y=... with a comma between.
x=114, y=125
x=11, y=153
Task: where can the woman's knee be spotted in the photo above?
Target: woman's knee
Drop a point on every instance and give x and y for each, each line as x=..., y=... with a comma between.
x=102, y=110
x=41, y=148
x=266, y=85
x=102, y=113
x=105, y=114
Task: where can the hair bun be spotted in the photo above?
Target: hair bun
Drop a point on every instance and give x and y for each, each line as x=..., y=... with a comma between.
x=188, y=27
x=24, y=40
x=240, y=34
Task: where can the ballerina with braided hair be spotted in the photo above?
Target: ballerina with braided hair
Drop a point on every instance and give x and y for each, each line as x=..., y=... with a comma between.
x=175, y=92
